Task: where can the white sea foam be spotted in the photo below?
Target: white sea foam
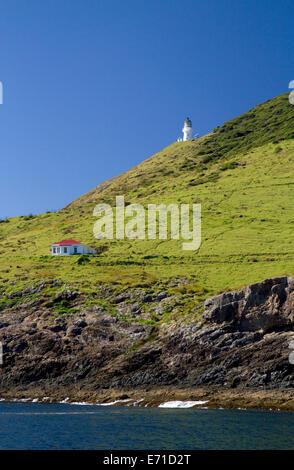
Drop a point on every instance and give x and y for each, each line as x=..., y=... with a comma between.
x=80, y=403
x=181, y=404
x=138, y=401
x=65, y=400
x=114, y=402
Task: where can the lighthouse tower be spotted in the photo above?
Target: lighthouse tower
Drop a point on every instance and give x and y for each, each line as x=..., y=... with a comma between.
x=187, y=130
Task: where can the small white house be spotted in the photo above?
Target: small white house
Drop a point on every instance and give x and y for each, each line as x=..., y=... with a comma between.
x=71, y=247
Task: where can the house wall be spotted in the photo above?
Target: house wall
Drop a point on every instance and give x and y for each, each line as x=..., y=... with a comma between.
x=60, y=250
x=80, y=250
x=87, y=250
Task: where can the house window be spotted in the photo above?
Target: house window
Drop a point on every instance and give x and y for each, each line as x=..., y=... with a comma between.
x=75, y=250
x=65, y=249
x=54, y=249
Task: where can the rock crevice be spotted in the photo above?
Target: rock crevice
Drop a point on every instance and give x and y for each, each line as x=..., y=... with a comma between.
x=242, y=342
x=265, y=306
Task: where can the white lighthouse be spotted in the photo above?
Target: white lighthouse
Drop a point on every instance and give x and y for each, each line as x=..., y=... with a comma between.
x=187, y=130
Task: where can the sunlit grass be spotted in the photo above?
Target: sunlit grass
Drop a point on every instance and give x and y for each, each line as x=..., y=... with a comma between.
x=245, y=187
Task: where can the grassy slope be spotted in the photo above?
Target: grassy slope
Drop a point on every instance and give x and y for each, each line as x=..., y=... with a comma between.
x=241, y=173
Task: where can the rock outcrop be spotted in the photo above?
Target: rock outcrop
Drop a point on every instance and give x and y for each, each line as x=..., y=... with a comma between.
x=266, y=306
x=242, y=343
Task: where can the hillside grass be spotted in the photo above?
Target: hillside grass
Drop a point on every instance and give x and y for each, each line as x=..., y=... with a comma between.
x=241, y=173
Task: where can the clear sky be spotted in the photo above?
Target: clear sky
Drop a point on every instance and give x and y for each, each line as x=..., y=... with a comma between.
x=93, y=87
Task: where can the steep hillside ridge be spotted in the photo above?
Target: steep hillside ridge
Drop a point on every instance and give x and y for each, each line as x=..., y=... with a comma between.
x=145, y=317
x=272, y=121
x=243, y=176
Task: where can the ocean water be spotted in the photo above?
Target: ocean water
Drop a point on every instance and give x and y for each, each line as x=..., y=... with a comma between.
x=66, y=426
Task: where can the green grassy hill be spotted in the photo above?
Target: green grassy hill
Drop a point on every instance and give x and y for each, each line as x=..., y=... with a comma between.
x=242, y=174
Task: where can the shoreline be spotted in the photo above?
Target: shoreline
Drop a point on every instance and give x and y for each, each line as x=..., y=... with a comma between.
x=185, y=398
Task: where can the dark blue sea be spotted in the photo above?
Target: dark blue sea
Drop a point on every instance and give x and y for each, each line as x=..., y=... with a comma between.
x=66, y=426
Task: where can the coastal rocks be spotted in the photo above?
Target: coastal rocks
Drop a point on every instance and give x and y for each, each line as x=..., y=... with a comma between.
x=73, y=331
x=242, y=344
x=66, y=295
x=161, y=295
x=147, y=298
x=265, y=306
x=166, y=304
x=131, y=308
x=121, y=298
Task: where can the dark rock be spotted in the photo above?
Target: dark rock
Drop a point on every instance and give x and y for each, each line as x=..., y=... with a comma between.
x=161, y=295
x=263, y=306
x=130, y=308
x=121, y=298
x=244, y=343
x=81, y=323
x=73, y=331
x=147, y=298
x=56, y=328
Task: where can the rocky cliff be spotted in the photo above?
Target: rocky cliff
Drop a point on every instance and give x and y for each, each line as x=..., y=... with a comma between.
x=240, y=344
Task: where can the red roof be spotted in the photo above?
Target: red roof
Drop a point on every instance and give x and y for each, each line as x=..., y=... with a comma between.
x=67, y=243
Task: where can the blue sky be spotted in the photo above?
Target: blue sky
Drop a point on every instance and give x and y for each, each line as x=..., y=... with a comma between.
x=92, y=88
